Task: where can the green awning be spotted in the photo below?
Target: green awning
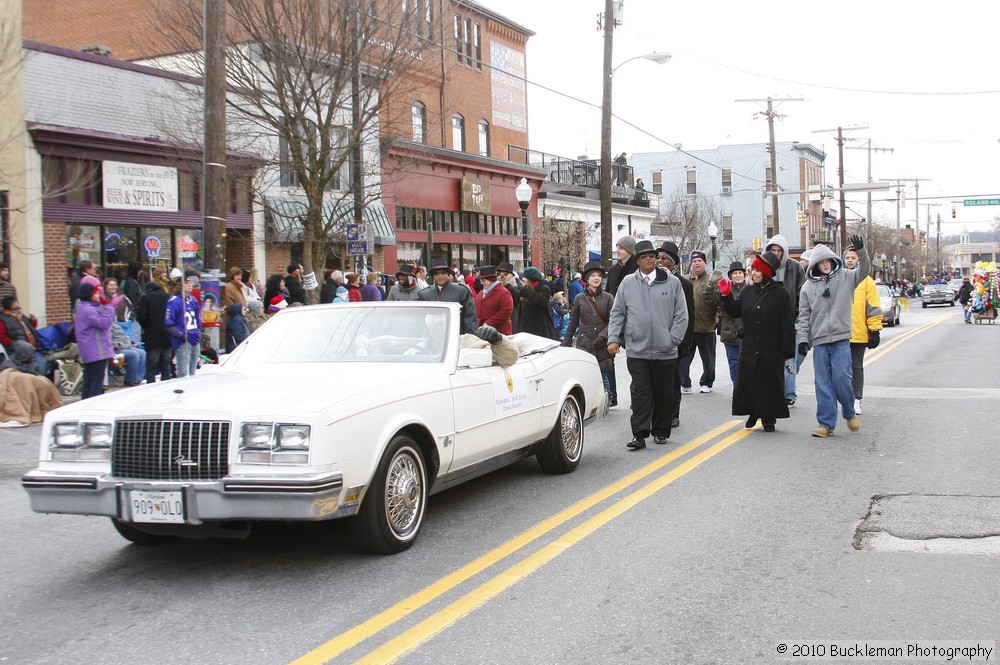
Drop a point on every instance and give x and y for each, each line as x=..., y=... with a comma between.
x=285, y=214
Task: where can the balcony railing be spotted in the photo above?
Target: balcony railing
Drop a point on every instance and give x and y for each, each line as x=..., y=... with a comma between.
x=579, y=176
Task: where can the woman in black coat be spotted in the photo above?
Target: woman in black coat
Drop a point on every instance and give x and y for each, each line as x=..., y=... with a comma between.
x=533, y=310
x=768, y=340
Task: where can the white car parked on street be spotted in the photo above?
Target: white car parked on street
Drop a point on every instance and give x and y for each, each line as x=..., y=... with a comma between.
x=353, y=410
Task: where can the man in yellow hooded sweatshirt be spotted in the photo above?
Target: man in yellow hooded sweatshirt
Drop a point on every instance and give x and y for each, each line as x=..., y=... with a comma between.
x=866, y=322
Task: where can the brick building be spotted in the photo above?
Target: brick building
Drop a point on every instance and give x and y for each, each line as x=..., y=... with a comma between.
x=466, y=107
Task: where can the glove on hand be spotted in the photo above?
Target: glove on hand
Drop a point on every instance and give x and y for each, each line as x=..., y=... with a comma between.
x=725, y=287
x=489, y=334
x=856, y=242
x=873, y=339
x=715, y=277
x=803, y=349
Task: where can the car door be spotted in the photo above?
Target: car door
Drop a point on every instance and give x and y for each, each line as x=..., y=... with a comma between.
x=497, y=410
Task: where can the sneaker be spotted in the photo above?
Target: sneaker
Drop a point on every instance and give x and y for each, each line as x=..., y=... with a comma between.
x=660, y=440
x=854, y=424
x=857, y=406
x=613, y=402
x=675, y=423
x=790, y=402
x=822, y=432
x=706, y=389
x=687, y=389
x=637, y=443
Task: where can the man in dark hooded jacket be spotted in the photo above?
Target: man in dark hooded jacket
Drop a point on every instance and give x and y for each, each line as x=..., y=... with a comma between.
x=792, y=276
x=152, y=315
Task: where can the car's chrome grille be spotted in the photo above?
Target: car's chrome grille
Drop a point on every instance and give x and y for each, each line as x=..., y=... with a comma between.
x=170, y=450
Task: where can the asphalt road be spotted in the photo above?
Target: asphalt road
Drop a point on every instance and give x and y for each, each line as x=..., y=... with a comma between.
x=717, y=548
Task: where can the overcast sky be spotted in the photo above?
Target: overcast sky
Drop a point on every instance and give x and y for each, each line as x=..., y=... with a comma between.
x=851, y=62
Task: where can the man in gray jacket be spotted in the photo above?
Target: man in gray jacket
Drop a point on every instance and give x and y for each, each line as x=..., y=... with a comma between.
x=825, y=309
x=792, y=276
x=650, y=316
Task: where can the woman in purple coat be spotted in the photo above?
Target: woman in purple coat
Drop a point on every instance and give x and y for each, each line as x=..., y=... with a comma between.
x=92, y=327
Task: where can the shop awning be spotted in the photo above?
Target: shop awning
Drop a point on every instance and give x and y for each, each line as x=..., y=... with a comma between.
x=285, y=215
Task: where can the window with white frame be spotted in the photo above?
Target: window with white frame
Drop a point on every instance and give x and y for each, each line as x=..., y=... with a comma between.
x=727, y=181
x=657, y=181
x=767, y=178
x=768, y=225
x=484, y=138
x=419, y=114
x=727, y=227
x=458, y=132
x=289, y=174
x=692, y=181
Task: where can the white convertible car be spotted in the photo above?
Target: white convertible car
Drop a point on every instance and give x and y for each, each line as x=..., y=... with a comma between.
x=358, y=410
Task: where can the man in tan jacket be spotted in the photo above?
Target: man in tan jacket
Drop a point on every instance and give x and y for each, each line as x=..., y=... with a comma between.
x=705, y=319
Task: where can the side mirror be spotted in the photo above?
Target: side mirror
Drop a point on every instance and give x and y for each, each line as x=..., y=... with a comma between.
x=475, y=358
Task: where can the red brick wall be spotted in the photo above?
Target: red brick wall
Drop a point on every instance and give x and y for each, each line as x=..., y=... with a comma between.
x=56, y=279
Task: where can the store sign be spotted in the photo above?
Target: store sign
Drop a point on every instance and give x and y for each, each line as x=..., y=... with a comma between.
x=475, y=195
x=139, y=187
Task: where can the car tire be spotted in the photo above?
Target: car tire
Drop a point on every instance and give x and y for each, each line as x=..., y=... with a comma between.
x=392, y=511
x=890, y=323
x=136, y=535
x=924, y=305
x=563, y=447
x=896, y=323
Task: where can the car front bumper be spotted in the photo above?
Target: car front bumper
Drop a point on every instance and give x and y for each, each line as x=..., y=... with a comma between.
x=310, y=497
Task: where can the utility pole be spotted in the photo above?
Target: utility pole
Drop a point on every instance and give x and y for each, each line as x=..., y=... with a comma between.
x=927, y=232
x=607, y=21
x=937, y=252
x=356, y=159
x=843, y=200
x=214, y=167
x=868, y=147
x=770, y=115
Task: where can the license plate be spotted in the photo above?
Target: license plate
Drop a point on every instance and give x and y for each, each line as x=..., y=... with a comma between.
x=157, y=507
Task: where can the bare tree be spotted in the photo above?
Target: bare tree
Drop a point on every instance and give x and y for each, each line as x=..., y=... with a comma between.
x=308, y=82
x=564, y=243
x=687, y=219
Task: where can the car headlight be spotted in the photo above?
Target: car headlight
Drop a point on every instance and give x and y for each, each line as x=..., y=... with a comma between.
x=258, y=436
x=293, y=437
x=275, y=443
x=76, y=441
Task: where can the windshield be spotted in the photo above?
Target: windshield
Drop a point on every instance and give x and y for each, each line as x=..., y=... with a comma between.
x=346, y=333
x=884, y=293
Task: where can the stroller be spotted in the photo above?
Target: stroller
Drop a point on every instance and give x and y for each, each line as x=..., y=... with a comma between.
x=64, y=365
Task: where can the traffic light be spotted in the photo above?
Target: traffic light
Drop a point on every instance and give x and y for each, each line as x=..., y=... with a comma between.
x=953, y=212
x=756, y=243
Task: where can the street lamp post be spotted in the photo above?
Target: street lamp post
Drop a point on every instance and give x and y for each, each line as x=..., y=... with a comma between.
x=609, y=72
x=713, y=231
x=903, y=261
x=523, y=194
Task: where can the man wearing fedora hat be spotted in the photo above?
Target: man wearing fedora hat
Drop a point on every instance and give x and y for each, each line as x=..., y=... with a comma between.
x=493, y=303
x=730, y=327
x=445, y=290
x=405, y=289
x=650, y=316
x=668, y=258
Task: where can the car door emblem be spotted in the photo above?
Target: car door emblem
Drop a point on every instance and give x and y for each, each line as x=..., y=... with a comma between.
x=510, y=381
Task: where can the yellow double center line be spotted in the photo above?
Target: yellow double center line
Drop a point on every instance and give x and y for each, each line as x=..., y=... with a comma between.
x=896, y=341
x=440, y=620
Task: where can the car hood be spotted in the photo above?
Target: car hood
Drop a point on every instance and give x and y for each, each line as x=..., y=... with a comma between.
x=284, y=388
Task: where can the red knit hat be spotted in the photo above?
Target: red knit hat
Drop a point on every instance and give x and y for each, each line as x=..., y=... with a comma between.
x=766, y=263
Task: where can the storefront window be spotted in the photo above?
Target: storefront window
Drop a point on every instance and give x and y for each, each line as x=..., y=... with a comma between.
x=121, y=245
x=190, y=249
x=470, y=258
x=442, y=252
x=82, y=243
x=158, y=246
